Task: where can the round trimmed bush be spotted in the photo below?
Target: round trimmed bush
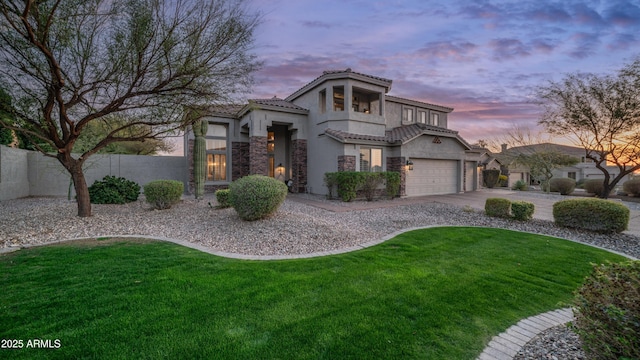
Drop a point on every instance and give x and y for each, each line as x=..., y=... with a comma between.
x=497, y=207
x=632, y=187
x=591, y=214
x=564, y=186
x=593, y=186
x=607, y=311
x=522, y=210
x=113, y=190
x=163, y=194
x=255, y=197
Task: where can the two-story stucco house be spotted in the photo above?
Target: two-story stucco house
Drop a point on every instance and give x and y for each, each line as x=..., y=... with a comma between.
x=340, y=121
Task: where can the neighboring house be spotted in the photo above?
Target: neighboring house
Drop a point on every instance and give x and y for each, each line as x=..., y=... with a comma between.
x=340, y=121
x=487, y=161
x=584, y=169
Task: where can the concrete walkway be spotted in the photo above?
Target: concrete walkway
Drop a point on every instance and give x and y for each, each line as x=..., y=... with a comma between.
x=506, y=345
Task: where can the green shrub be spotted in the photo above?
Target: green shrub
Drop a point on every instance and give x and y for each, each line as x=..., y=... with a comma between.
x=222, y=196
x=162, y=194
x=520, y=185
x=591, y=214
x=632, y=187
x=491, y=177
x=522, y=210
x=348, y=183
x=330, y=181
x=393, y=183
x=255, y=197
x=503, y=180
x=580, y=183
x=497, y=207
x=564, y=186
x=593, y=186
x=607, y=312
x=113, y=190
x=370, y=183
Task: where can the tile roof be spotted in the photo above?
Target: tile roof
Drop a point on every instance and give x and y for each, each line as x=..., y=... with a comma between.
x=333, y=74
x=349, y=71
x=398, y=135
x=411, y=101
x=226, y=109
x=277, y=102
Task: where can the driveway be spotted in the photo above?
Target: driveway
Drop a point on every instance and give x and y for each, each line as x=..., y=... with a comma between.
x=475, y=199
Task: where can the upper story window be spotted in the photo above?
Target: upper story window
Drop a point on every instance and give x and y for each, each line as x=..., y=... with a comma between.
x=407, y=115
x=216, y=149
x=322, y=101
x=422, y=117
x=370, y=159
x=338, y=98
x=435, y=119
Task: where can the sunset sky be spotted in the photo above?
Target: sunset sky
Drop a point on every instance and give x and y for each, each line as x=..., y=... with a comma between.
x=483, y=58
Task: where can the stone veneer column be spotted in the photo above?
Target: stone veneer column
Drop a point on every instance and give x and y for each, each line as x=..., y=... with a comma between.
x=346, y=163
x=239, y=160
x=299, y=165
x=399, y=164
x=258, y=158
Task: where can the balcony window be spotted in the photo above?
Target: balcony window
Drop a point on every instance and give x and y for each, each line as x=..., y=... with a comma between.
x=338, y=98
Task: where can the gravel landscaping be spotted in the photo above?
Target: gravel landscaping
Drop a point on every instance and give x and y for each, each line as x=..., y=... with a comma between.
x=296, y=229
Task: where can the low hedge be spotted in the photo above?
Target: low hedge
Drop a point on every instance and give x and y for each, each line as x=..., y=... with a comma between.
x=591, y=214
x=498, y=207
x=564, y=186
x=522, y=210
x=162, y=194
x=255, y=197
x=351, y=184
x=632, y=187
x=593, y=186
x=222, y=196
x=607, y=311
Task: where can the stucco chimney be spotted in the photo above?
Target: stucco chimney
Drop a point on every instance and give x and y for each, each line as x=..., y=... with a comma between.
x=504, y=147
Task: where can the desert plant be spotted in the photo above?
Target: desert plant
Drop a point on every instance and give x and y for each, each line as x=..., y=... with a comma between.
x=503, y=180
x=591, y=214
x=607, y=311
x=632, y=187
x=370, y=183
x=564, y=186
x=593, y=186
x=113, y=190
x=522, y=210
x=162, y=194
x=497, y=207
x=199, y=156
x=520, y=185
x=222, y=196
x=255, y=197
x=491, y=177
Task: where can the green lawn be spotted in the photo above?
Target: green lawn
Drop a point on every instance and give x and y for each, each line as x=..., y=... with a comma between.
x=437, y=293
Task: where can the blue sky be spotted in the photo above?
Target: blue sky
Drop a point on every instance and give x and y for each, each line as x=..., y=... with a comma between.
x=483, y=58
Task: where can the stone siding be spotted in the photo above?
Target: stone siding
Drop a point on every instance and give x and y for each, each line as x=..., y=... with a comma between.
x=239, y=160
x=299, y=165
x=399, y=164
x=259, y=159
x=346, y=163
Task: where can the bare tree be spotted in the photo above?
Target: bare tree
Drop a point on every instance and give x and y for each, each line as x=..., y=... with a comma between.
x=601, y=113
x=69, y=63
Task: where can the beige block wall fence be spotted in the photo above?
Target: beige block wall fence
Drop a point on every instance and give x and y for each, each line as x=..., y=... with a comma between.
x=28, y=173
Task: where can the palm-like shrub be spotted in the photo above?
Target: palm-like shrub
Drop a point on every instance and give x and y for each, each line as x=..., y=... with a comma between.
x=255, y=197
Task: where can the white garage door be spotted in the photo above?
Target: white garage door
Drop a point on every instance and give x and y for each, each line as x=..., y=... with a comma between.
x=432, y=177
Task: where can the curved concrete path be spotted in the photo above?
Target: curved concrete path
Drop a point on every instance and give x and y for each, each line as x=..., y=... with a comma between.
x=506, y=345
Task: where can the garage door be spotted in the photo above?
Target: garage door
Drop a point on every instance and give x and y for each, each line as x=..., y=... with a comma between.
x=432, y=177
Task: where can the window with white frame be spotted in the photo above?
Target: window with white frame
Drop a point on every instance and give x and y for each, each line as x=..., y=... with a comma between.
x=435, y=119
x=370, y=159
x=407, y=115
x=422, y=117
x=216, y=148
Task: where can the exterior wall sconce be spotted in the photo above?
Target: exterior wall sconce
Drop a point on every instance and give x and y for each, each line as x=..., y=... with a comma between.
x=409, y=165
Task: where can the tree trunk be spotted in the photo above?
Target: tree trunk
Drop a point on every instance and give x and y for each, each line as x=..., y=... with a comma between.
x=79, y=183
